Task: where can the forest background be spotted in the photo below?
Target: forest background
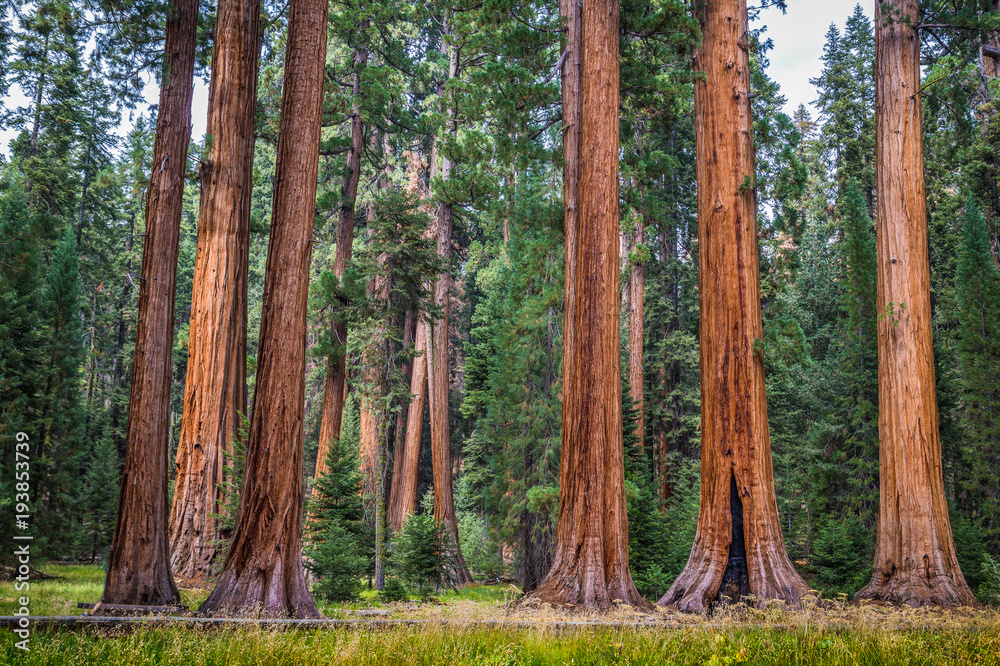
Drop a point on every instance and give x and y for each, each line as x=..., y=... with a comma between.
x=72, y=197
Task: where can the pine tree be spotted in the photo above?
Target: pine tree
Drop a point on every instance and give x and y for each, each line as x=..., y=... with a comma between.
x=60, y=439
x=845, y=474
x=978, y=287
x=336, y=552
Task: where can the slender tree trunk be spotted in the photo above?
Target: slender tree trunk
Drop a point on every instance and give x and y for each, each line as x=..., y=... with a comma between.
x=118, y=371
x=215, y=393
x=637, y=303
x=399, y=443
x=738, y=548
x=263, y=570
x=406, y=496
x=139, y=559
x=438, y=363
x=590, y=564
x=405, y=501
x=991, y=70
x=334, y=393
x=915, y=561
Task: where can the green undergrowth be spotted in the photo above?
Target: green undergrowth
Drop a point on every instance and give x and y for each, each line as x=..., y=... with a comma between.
x=451, y=633
x=440, y=644
x=70, y=584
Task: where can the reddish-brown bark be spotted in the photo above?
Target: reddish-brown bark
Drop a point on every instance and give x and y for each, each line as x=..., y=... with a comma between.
x=991, y=51
x=637, y=303
x=438, y=365
x=263, y=570
x=334, y=392
x=915, y=561
x=737, y=484
x=215, y=391
x=405, y=501
x=139, y=559
x=590, y=564
x=399, y=445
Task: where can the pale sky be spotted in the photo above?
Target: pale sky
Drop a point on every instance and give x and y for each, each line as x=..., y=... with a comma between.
x=798, y=39
x=798, y=43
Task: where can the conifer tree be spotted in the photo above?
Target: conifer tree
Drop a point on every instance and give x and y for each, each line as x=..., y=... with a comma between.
x=978, y=286
x=915, y=559
x=263, y=566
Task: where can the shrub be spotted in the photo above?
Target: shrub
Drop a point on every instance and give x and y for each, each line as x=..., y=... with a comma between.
x=420, y=553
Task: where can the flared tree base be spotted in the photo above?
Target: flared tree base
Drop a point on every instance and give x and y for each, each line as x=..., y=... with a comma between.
x=588, y=583
x=261, y=593
x=917, y=588
x=138, y=588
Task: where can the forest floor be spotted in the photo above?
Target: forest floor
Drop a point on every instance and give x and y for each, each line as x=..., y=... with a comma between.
x=481, y=625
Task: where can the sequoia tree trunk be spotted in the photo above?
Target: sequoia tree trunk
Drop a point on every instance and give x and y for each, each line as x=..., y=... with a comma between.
x=139, y=559
x=336, y=368
x=263, y=570
x=637, y=304
x=438, y=374
x=405, y=500
x=590, y=565
x=399, y=445
x=738, y=548
x=915, y=561
x=215, y=391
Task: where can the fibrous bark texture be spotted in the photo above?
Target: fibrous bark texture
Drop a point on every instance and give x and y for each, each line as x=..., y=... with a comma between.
x=336, y=368
x=263, y=571
x=590, y=564
x=404, y=501
x=637, y=304
x=399, y=446
x=139, y=559
x=915, y=560
x=438, y=364
x=735, y=444
x=215, y=390
x=439, y=388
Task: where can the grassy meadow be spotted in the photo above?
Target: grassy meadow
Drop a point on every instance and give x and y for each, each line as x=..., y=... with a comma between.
x=452, y=631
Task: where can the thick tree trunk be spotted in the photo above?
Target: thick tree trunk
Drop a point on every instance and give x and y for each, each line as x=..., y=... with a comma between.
x=438, y=365
x=738, y=548
x=139, y=559
x=590, y=564
x=406, y=499
x=263, y=570
x=915, y=560
x=215, y=392
x=334, y=393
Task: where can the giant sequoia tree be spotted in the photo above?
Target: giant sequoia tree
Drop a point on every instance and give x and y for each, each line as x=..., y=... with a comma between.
x=138, y=562
x=590, y=564
x=738, y=548
x=215, y=390
x=263, y=568
x=915, y=559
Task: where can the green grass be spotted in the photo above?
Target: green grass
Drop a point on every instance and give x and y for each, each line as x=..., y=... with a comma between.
x=439, y=644
x=847, y=635
x=73, y=583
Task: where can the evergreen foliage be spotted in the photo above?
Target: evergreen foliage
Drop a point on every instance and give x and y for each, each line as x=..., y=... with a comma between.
x=335, y=553
x=486, y=96
x=419, y=554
